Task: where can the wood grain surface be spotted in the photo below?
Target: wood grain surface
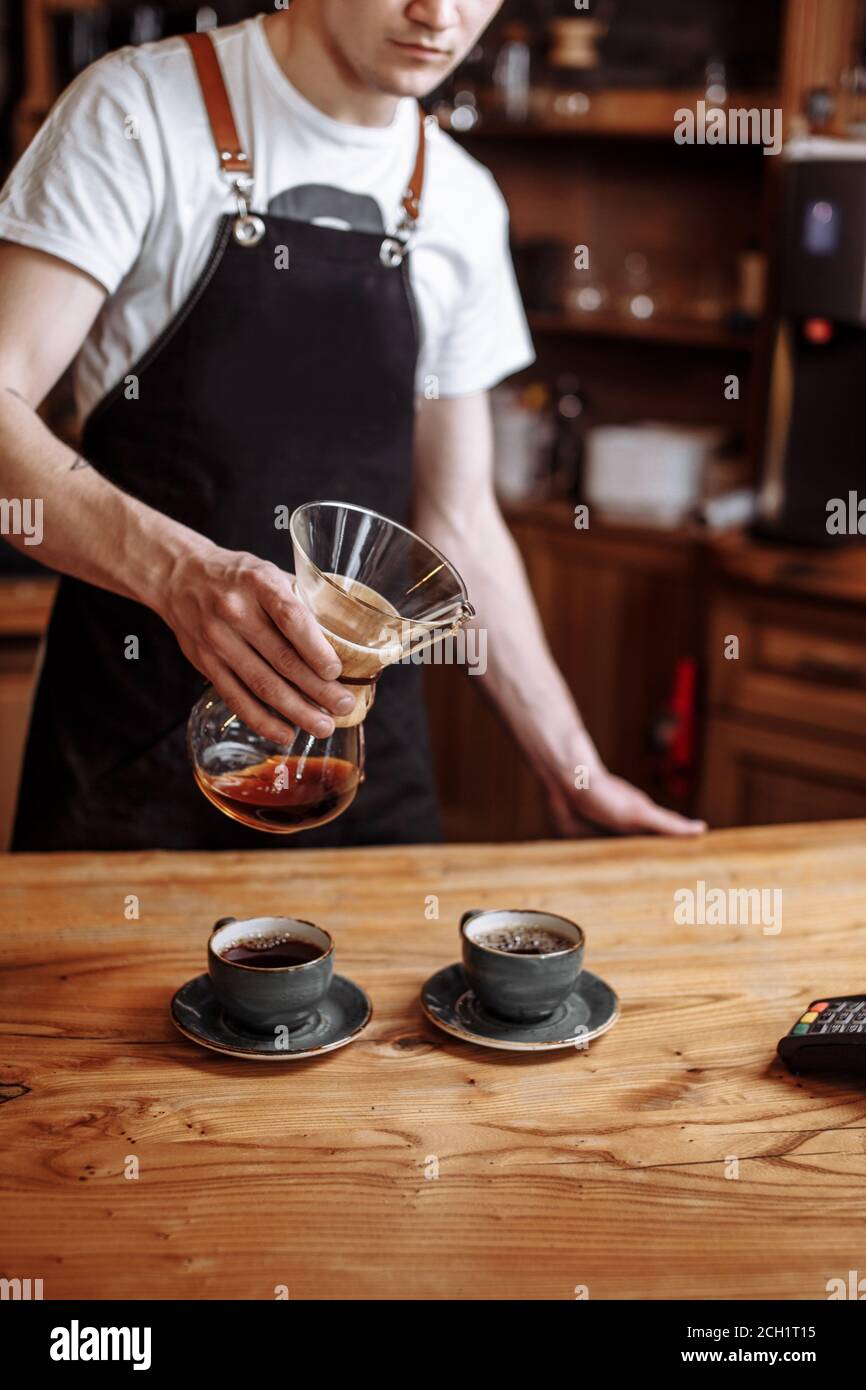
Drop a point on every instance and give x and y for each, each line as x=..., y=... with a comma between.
x=608, y=1168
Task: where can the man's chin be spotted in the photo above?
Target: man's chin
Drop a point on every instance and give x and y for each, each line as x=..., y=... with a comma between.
x=410, y=82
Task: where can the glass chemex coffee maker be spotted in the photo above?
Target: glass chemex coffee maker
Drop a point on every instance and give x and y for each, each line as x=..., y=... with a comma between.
x=380, y=595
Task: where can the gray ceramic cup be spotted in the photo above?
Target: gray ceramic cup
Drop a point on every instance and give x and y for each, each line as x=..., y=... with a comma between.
x=521, y=988
x=260, y=997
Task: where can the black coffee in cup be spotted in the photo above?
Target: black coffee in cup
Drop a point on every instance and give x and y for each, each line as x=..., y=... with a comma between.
x=521, y=963
x=270, y=972
x=272, y=952
x=526, y=940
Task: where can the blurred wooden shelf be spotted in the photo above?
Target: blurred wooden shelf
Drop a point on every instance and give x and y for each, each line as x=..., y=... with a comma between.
x=677, y=332
x=616, y=112
x=557, y=514
x=70, y=6
x=25, y=604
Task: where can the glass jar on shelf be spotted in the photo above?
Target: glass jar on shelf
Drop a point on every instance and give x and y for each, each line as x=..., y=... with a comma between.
x=637, y=289
x=511, y=73
x=585, y=289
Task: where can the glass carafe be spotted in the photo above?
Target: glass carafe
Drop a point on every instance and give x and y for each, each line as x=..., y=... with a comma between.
x=380, y=594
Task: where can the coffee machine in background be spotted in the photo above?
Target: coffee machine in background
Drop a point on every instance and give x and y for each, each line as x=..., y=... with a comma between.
x=816, y=430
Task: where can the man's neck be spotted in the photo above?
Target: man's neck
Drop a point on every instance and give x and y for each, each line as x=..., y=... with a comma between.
x=320, y=74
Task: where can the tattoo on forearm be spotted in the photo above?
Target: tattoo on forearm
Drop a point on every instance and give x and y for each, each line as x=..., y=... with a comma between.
x=78, y=461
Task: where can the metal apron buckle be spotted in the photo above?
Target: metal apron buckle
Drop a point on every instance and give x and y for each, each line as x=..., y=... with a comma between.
x=248, y=229
x=392, y=251
x=395, y=248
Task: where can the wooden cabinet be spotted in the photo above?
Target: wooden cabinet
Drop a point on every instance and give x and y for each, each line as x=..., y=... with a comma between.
x=784, y=723
x=798, y=663
x=619, y=607
x=786, y=729
x=765, y=775
x=25, y=605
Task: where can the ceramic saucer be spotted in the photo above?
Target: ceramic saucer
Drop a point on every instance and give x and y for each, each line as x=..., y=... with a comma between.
x=589, y=1011
x=341, y=1016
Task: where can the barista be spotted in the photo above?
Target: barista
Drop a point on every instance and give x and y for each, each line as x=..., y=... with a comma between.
x=277, y=283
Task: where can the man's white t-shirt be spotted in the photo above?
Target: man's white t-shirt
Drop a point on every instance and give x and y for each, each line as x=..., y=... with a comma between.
x=122, y=181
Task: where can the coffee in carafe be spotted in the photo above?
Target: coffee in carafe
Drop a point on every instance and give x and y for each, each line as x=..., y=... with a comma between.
x=284, y=793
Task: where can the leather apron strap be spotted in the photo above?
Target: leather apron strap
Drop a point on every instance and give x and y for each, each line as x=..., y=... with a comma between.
x=232, y=156
x=234, y=160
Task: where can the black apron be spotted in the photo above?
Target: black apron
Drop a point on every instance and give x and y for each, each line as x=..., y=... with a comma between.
x=270, y=387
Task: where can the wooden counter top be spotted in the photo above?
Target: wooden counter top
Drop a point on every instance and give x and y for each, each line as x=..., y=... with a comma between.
x=834, y=572
x=611, y=1168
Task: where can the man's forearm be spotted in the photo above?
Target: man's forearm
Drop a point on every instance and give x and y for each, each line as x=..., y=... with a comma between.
x=455, y=507
x=90, y=528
